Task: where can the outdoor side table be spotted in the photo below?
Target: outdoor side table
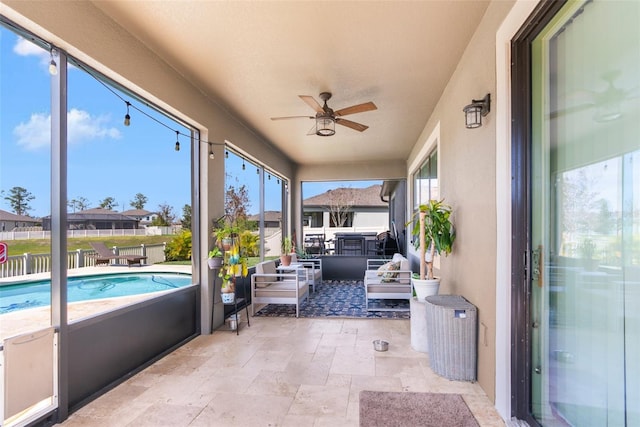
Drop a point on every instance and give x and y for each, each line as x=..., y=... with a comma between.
x=452, y=336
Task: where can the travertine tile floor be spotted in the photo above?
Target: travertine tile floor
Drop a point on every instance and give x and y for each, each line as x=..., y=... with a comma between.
x=278, y=372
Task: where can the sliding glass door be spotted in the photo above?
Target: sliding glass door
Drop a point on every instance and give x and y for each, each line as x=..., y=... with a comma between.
x=584, y=183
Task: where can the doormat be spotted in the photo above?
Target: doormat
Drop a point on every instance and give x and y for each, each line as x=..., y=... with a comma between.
x=405, y=409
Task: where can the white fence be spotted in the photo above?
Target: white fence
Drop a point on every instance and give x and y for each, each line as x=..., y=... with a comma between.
x=18, y=265
x=40, y=234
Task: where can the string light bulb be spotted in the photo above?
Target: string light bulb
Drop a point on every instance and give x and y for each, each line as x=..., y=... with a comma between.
x=211, y=155
x=53, y=67
x=177, y=141
x=226, y=154
x=127, y=117
x=243, y=166
x=258, y=171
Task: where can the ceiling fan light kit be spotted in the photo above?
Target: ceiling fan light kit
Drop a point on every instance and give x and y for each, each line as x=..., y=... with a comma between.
x=474, y=112
x=325, y=126
x=326, y=118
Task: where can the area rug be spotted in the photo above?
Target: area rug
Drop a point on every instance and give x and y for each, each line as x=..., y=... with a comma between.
x=406, y=409
x=339, y=299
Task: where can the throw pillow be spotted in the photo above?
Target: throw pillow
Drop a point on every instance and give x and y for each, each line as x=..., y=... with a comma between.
x=385, y=271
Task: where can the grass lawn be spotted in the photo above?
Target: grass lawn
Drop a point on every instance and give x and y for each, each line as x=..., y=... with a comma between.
x=43, y=246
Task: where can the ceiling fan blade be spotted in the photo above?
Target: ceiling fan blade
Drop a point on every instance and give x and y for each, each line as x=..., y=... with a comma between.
x=292, y=117
x=311, y=102
x=367, y=106
x=353, y=125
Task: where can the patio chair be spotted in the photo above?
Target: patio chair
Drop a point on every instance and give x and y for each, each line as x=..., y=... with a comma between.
x=386, y=279
x=270, y=287
x=105, y=255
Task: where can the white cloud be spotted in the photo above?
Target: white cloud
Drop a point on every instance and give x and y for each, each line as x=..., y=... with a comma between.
x=35, y=133
x=24, y=47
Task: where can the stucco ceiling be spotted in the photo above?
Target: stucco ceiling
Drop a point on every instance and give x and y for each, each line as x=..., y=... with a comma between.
x=255, y=57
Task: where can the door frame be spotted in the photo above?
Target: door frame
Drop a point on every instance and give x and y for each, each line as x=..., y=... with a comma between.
x=521, y=146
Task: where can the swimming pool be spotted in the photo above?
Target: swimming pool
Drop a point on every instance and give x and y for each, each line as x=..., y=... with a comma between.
x=85, y=288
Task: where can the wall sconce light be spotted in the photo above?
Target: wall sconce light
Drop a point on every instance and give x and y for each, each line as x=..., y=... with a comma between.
x=325, y=125
x=474, y=112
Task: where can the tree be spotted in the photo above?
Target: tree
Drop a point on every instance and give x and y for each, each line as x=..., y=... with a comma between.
x=165, y=216
x=19, y=199
x=236, y=204
x=341, y=200
x=80, y=204
x=186, y=217
x=139, y=200
x=108, y=203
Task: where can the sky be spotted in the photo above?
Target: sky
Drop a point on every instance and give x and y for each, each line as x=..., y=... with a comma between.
x=105, y=157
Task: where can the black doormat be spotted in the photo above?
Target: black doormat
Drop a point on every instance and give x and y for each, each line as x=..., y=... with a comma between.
x=339, y=299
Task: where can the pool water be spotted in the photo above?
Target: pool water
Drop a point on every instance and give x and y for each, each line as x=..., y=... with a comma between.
x=85, y=288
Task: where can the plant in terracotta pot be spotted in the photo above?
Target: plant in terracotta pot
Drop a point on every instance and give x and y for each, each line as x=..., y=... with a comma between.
x=225, y=231
x=287, y=248
x=433, y=234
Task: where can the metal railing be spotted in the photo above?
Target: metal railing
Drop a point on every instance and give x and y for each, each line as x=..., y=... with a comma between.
x=19, y=265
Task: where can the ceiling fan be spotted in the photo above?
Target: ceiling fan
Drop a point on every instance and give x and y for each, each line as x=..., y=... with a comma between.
x=326, y=118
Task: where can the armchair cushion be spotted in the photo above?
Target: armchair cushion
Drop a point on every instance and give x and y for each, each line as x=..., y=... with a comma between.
x=265, y=267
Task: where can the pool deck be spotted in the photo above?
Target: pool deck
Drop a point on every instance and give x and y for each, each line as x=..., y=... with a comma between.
x=33, y=319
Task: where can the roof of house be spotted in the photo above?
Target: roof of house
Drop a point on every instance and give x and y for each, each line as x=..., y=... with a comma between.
x=369, y=196
x=270, y=216
x=137, y=212
x=10, y=216
x=97, y=214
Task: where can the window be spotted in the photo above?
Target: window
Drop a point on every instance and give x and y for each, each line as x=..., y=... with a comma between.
x=425, y=181
x=345, y=219
x=313, y=219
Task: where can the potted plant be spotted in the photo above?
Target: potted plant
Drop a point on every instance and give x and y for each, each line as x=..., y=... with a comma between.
x=216, y=258
x=225, y=232
x=235, y=264
x=433, y=234
x=287, y=248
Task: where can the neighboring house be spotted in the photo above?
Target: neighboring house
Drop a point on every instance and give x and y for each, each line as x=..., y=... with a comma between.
x=359, y=208
x=96, y=219
x=144, y=217
x=10, y=221
x=272, y=219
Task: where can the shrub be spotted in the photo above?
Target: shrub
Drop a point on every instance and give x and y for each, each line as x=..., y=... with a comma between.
x=249, y=243
x=179, y=248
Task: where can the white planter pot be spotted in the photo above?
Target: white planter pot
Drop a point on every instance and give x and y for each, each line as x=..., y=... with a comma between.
x=228, y=297
x=418, y=325
x=425, y=288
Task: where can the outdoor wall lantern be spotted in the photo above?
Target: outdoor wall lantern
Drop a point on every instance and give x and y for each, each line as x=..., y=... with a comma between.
x=474, y=112
x=325, y=125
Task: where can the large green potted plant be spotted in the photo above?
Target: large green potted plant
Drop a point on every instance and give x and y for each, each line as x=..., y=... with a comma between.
x=433, y=234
